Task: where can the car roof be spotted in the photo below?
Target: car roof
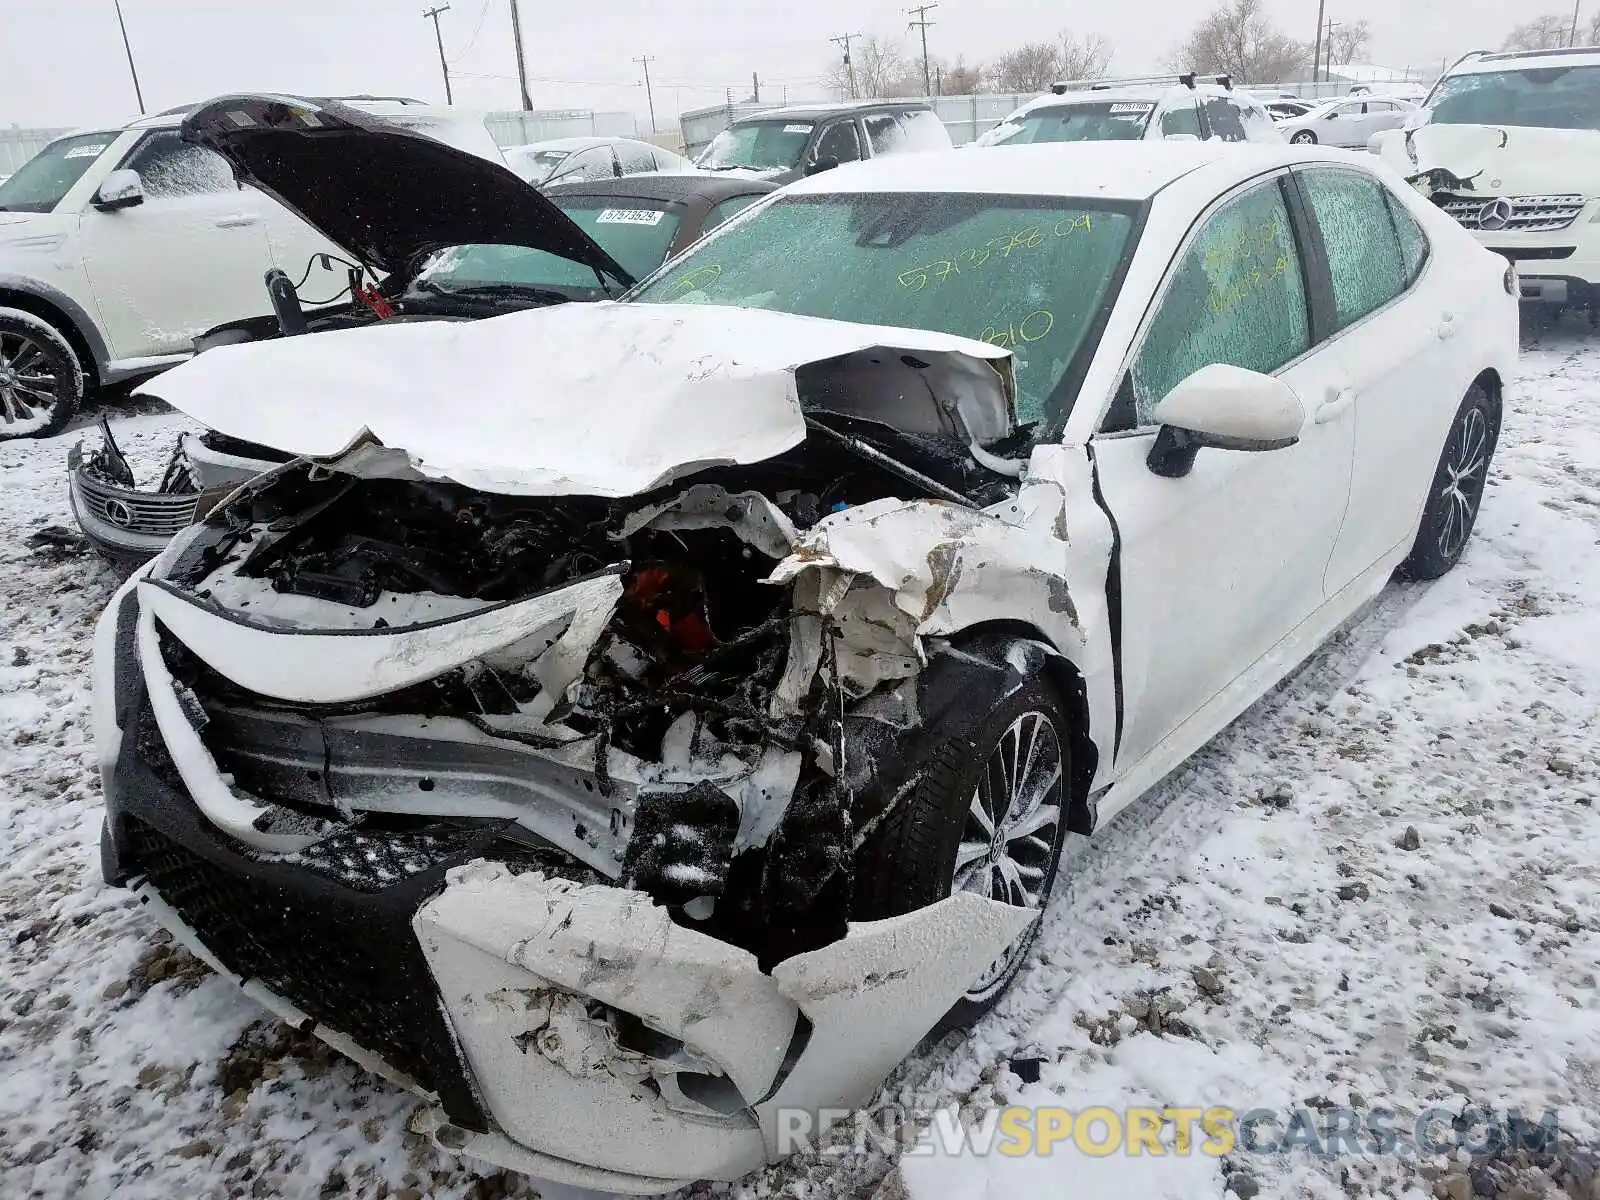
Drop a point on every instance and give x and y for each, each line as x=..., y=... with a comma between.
x=378, y=106
x=1572, y=56
x=662, y=186
x=817, y=112
x=1152, y=93
x=1110, y=170
x=579, y=143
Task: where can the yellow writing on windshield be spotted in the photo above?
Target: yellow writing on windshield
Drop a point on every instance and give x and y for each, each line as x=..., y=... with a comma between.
x=915, y=279
x=692, y=280
x=1031, y=328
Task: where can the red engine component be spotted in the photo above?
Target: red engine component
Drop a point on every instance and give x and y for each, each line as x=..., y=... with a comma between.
x=671, y=602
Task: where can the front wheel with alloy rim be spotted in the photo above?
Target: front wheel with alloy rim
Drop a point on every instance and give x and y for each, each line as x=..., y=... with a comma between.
x=988, y=815
x=1456, y=492
x=1304, y=138
x=41, y=383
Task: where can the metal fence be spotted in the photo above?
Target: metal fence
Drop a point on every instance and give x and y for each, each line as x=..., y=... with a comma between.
x=17, y=146
x=965, y=117
x=520, y=128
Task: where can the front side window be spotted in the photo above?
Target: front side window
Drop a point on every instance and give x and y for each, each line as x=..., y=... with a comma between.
x=633, y=159
x=170, y=167
x=584, y=166
x=1183, y=118
x=839, y=141
x=758, y=146
x=1025, y=273
x=41, y=182
x=1542, y=97
x=1362, y=241
x=637, y=233
x=1236, y=296
x=1224, y=120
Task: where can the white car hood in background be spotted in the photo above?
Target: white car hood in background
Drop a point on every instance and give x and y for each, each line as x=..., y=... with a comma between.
x=578, y=399
x=1510, y=160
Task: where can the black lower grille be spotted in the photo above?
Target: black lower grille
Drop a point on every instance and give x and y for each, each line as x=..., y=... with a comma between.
x=348, y=964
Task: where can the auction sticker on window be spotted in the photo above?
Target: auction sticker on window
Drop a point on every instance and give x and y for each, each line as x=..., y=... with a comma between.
x=797, y=129
x=630, y=216
x=1130, y=108
x=86, y=151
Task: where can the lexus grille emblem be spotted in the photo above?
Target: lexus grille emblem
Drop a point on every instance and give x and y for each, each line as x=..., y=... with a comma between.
x=119, y=513
x=1495, y=215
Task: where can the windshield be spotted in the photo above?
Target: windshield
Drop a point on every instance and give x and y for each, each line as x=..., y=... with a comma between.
x=1105, y=121
x=40, y=182
x=759, y=145
x=1025, y=273
x=1544, y=97
x=637, y=233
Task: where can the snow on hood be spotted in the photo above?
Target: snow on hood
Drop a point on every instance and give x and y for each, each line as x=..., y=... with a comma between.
x=578, y=399
x=1502, y=160
x=384, y=190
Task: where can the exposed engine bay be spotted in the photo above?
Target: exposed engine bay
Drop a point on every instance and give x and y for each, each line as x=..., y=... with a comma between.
x=669, y=732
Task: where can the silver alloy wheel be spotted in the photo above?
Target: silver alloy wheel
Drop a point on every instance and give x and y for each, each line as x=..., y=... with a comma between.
x=1305, y=138
x=25, y=394
x=1465, y=472
x=1013, y=822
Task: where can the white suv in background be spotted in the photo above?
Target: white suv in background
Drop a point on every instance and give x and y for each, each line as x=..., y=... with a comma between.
x=1509, y=145
x=119, y=245
x=1186, y=107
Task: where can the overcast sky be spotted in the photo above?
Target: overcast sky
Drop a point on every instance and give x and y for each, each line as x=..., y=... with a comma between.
x=61, y=61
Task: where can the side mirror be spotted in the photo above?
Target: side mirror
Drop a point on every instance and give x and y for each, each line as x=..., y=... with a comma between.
x=819, y=165
x=1333, y=116
x=1226, y=408
x=121, y=189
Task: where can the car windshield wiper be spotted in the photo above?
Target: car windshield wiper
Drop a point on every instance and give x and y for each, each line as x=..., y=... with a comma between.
x=519, y=291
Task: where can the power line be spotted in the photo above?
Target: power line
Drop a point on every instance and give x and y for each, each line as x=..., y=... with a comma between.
x=439, y=37
x=844, y=40
x=476, y=30
x=650, y=97
x=922, y=22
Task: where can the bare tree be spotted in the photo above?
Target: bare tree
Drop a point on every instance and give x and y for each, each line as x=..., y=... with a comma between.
x=1549, y=32
x=1084, y=58
x=1349, y=42
x=881, y=69
x=1239, y=39
x=1029, y=68
x=958, y=79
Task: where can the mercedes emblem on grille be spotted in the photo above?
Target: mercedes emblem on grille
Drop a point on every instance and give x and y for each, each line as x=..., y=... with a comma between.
x=119, y=513
x=1495, y=215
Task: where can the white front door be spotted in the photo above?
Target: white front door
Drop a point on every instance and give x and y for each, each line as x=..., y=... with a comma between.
x=1394, y=339
x=1218, y=565
x=190, y=257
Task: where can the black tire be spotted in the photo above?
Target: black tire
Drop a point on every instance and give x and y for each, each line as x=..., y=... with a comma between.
x=910, y=860
x=41, y=381
x=1304, y=138
x=1456, y=492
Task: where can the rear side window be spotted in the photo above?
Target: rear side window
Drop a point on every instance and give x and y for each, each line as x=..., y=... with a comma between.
x=839, y=141
x=923, y=130
x=1237, y=296
x=1224, y=120
x=1414, y=247
x=884, y=134
x=1363, y=243
x=1181, y=118
x=634, y=159
x=1258, y=126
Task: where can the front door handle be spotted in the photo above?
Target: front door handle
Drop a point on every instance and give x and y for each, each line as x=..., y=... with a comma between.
x=1447, y=327
x=238, y=221
x=1335, y=406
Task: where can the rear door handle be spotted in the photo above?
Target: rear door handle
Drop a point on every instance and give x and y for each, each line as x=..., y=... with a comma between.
x=237, y=220
x=1335, y=406
x=1447, y=327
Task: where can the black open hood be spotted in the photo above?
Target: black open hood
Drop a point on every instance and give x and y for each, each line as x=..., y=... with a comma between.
x=385, y=193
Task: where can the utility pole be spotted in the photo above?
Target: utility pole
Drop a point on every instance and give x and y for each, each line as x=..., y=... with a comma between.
x=132, y=70
x=522, y=64
x=922, y=22
x=439, y=37
x=644, y=61
x=755, y=87
x=1327, y=73
x=844, y=40
x=1576, y=5
x=1316, y=53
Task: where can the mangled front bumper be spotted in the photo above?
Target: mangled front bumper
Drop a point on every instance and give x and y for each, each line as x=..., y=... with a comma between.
x=568, y=1029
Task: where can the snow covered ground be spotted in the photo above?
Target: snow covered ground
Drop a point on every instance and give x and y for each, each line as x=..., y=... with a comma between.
x=1380, y=887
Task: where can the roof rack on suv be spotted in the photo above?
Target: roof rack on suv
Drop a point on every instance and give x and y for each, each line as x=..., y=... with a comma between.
x=1552, y=52
x=1188, y=79
x=386, y=99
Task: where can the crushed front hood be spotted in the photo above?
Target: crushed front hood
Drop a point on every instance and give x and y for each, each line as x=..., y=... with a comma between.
x=597, y=399
x=1494, y=161
x=386, y=193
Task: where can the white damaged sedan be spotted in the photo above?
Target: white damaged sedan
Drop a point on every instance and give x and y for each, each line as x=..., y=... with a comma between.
x=628, y=724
